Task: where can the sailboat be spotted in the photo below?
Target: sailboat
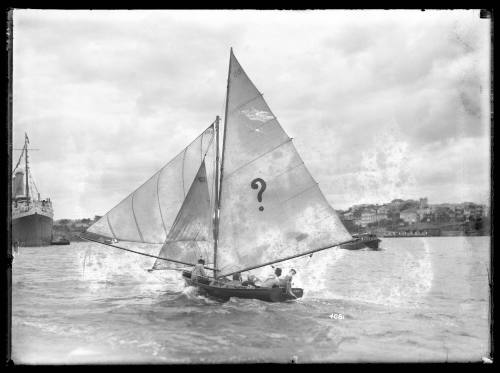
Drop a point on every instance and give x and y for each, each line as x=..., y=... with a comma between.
x=253, y=206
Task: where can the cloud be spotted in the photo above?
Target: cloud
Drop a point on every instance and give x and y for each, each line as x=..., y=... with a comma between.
x=380, y=103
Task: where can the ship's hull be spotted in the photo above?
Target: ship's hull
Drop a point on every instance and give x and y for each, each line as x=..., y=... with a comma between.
x=32, y=230
x=275, y=294
x=371, y=244
x=60, y=242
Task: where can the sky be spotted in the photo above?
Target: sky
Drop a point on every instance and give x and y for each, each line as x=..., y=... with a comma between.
x=380, y=104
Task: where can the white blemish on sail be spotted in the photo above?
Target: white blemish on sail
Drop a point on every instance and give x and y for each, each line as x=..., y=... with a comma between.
x=260, y=115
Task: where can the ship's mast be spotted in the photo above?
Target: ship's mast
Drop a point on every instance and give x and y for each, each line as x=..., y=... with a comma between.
x=26, y=142
x=216, y=197
x=222, y=163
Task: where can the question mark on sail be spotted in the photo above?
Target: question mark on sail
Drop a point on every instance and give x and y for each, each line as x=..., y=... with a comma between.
x=254, y=185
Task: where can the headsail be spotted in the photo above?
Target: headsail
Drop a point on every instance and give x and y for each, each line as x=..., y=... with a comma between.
x=270, y=206
x=148, y=213
x=190, y=236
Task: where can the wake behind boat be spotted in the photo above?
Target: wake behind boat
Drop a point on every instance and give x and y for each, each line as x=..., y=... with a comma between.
x=256, y=207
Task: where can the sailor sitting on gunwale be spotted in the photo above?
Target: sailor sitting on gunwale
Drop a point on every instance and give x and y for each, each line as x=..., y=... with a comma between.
x=198, y=270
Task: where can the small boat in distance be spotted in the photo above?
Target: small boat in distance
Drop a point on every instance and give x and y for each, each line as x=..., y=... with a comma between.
x=60, y=241
x=363, y=241
x=256, y=207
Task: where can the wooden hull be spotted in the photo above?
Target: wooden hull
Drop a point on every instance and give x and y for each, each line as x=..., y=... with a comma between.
x=362, y=244
x=276, y=294
x=66, y=242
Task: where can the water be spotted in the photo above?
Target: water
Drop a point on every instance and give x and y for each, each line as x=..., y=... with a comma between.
x=420, y=299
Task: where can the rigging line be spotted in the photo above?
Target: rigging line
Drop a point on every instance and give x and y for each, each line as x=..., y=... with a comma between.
x=167, y=164
x=125, y=239
x=167, y=269
x=19, y=161
x=196, y=242
x=33, y=182
x=260, y=156
x=140, y=253
x=189, y=240
x=197, y=249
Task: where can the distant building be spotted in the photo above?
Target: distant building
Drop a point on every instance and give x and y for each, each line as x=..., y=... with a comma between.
x=383, y=210
x=80, y=224
x=367, y=217
x=423, y=203
x=410, y=216
x=349, y=215
x=361, y=207
x=396, y=205
x=424, y=213
x=381, y=213
x=479, y=211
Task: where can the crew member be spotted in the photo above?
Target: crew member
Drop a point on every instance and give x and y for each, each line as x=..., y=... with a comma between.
x=198, y=270
x=273, y=280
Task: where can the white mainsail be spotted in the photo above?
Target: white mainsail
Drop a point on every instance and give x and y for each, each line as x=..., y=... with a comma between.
x=269, y=207
x=259, y=160
x=191, y=234
x=148, y=213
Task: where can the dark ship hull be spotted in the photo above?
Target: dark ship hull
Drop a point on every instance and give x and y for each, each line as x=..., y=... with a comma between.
x=32, y=230
x=275, y=294
x=366, y=241
x=62, y=241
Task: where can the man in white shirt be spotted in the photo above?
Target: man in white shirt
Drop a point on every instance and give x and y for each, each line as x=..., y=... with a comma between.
x=198, y=270
x=273, y=280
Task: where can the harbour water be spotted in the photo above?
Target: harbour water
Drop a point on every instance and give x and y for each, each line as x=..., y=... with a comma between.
x=417, y=300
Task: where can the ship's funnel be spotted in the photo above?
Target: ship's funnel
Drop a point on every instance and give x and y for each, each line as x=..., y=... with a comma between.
x=18, y=186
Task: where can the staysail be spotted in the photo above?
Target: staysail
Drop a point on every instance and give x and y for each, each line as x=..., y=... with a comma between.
x=191, y=234
x=270, y=206
x=148, y=213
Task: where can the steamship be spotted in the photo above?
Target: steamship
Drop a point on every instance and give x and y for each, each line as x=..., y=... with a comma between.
x=32, y=218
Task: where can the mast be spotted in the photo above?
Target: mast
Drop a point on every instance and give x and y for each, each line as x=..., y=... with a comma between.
x=223, y=147
x=26, y=142
x=216, y=201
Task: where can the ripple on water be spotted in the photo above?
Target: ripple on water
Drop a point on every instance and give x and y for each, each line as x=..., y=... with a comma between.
x=394, y=303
